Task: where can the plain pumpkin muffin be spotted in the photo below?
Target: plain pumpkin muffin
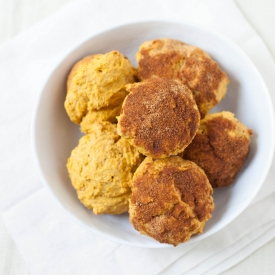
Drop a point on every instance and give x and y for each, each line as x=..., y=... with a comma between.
x=192, y=66
x=171, y=199
x=95, y=88
x=159, y=117
x=220, y=147
x=101, y=168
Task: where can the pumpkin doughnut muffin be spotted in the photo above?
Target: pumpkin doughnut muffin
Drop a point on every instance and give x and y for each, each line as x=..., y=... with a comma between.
x=95, y=88
x=220, y=147
x=171, y=199
x=192, y=66
x=101, y=168
x=159, y=117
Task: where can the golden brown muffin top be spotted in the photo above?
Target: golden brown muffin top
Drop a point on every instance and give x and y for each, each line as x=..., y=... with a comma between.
x=101, y=168
x=174, y=59
x=220, y=147
x=171, y=199
x=159, y=117
x=97, y=82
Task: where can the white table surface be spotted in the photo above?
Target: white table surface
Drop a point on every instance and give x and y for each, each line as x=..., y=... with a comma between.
x=18, y=15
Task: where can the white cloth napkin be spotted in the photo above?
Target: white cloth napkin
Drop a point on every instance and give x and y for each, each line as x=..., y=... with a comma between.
x=49, y=241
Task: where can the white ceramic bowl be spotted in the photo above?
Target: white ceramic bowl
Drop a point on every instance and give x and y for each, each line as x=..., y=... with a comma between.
x=54, y=135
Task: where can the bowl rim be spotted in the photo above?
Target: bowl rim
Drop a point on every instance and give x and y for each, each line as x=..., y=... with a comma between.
x=215, y=33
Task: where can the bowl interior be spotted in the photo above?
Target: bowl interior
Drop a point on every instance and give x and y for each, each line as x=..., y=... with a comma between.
x=54, y=135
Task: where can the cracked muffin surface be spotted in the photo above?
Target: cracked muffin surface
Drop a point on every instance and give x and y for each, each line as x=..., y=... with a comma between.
x=171, y=199
x=159, y=116
x=101, y=168
x=192, y=66
x=95, y=88
x=220, y=147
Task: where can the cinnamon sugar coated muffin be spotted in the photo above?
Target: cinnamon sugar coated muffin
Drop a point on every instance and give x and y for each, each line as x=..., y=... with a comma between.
x=101, y=168
x=159, y=117
x=171, y=199
x=95, y=88
x=220, y=147
x=192, y=66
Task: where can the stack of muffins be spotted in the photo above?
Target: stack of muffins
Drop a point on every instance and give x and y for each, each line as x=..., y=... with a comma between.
x=151, y=148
